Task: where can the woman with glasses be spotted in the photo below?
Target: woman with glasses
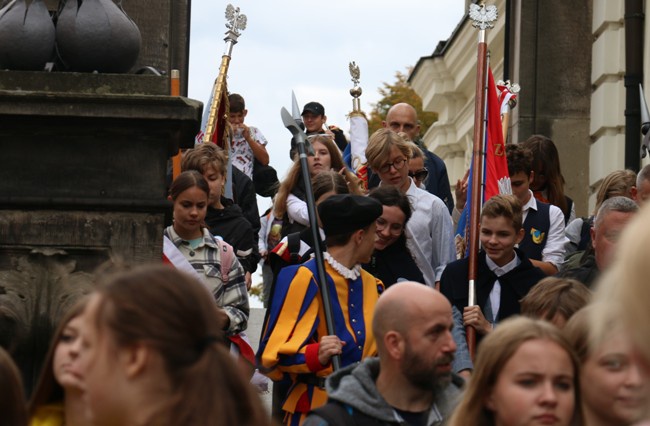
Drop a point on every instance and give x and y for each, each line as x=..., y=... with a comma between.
x=417, y=171
x=391, y=261
x=429, y=231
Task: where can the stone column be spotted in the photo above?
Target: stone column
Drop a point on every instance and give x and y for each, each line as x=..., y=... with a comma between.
x=83, y=162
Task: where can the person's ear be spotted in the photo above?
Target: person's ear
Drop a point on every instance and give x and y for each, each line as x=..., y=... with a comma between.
x=394, y=344
x=135, y=359
x=592, y=233
x=384, y=124
x=244, y=113
x=358, y=236
x=634, y=194
x=520, y=235
x=531, y=178
x=169, y=197
x=489, y=402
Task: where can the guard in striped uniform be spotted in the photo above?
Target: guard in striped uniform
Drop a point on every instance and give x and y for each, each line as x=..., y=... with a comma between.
x=295, y=344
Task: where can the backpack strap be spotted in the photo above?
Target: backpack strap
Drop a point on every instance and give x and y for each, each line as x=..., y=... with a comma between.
x=335, y=414
x=227, y=258
x=293, y=241
x=585, y=232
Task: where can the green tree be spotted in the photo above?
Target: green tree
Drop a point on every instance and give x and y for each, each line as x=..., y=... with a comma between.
x=394, y=93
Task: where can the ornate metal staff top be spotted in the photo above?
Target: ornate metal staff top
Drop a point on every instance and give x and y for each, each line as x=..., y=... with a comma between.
x=236, y=24
x=356, y=91
x=483, y=17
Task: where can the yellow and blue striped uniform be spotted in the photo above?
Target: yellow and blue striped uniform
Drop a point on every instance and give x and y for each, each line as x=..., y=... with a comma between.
x=289, y=344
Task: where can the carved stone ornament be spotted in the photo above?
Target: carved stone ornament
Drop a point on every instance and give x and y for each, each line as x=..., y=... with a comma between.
x=34, y=295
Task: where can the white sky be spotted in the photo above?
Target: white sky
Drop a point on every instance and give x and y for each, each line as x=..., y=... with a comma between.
x=306, y=47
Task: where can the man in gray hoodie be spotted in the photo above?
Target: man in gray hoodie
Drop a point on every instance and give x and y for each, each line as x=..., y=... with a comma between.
x=411, y=383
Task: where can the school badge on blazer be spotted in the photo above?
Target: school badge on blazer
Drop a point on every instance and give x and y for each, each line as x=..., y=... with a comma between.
x=537, y=236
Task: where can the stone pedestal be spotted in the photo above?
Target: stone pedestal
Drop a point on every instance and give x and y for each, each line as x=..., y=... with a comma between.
x=83, y=162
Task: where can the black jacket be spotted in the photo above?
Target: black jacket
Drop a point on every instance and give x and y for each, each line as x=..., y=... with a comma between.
x=514, y=285
x=394, y=263
x=587, y=273
x=245, y=197
x=230, y=224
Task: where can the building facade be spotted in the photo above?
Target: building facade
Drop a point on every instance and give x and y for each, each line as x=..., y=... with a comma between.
x=568, y=57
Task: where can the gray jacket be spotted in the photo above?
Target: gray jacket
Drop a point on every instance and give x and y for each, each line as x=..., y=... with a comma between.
x=354, y=386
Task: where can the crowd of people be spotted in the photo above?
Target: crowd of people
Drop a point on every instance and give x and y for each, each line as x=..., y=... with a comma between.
x=382, y=332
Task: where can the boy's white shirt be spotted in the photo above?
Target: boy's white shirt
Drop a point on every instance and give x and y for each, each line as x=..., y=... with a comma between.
x=242, y=154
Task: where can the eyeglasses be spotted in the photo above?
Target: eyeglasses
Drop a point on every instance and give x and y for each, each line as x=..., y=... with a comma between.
x=420, y=174
x=397, y=165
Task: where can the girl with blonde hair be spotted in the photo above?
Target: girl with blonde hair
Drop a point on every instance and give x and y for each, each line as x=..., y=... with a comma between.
x=612, y=385
x=624, y=291
x=526, y=373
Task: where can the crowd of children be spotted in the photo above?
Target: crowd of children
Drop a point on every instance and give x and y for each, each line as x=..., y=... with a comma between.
x=167, y=344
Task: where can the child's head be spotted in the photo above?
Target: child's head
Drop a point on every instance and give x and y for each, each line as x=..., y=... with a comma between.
x=555, y=300
x=619, y=183
x=204, y=156
x=238, y=109
x=501, y=228
x=328, y=183
x=186, y=180
x=546, y=161
x=520, y=168
x=613, y=387
x=388, y=155
x=56, y=378
x=190, y=193
x=209, y=160
x=523, y=368
x=506, y=206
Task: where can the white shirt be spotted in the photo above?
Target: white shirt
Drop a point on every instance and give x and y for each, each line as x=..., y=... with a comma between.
x=297, y=210
x=553, y=251
x=242, y=154
x=431, y=228
x=495, y=294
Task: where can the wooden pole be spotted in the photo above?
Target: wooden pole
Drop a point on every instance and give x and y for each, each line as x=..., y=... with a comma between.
x=483, y=18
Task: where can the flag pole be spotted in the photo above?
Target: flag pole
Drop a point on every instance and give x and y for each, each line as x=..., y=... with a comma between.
x=483, y=18
x=304, y=150
x=218, y=111
x=358, y=129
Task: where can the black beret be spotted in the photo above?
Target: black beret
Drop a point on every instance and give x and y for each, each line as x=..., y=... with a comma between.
x=346, y=213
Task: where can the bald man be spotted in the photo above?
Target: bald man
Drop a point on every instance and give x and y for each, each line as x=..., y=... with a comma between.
x=411, y=382
x=403, y=117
